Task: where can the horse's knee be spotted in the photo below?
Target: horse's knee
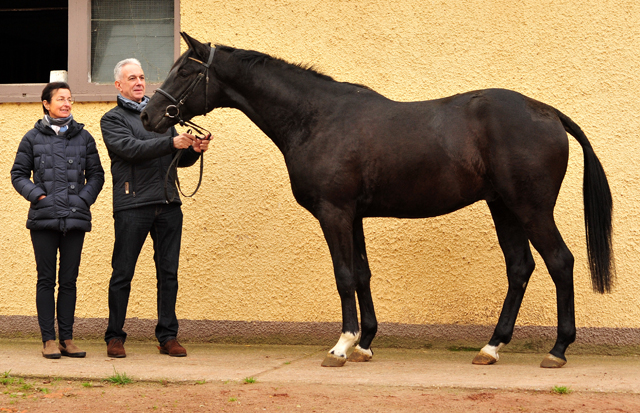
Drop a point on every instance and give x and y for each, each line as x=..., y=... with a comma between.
x=519, y=272
x=345, y=282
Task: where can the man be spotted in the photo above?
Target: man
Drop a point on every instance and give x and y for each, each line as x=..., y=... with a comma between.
x=139, y=163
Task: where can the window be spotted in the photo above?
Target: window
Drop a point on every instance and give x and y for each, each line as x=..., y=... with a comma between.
x=99, y=34
x=142, y=29
x=42, y=48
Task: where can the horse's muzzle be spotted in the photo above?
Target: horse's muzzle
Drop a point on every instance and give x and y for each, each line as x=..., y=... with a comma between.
x=146, y=122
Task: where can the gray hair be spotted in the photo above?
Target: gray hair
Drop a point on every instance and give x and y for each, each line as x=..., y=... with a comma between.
x=117, y=72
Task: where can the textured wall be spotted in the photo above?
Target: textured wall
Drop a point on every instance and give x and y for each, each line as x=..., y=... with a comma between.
x=250, y=253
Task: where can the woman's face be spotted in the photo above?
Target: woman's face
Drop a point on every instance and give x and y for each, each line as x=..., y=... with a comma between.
x=60, y=105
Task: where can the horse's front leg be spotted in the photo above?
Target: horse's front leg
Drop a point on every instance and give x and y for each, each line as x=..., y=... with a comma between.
x=368, y=321
x=337, y=226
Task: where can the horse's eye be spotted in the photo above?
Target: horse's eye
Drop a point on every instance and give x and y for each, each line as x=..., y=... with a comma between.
x=183, y=73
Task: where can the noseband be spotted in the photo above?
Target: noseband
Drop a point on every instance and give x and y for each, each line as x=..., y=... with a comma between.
x=173, y=111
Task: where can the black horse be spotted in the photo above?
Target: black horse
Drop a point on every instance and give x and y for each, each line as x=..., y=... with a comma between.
x=351, y=153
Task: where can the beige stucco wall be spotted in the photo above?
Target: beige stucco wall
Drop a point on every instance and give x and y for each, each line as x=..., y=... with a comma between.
x=251, y=253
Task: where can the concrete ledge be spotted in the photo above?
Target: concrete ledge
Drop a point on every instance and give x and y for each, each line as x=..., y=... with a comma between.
x=277, y=365
x=326, y=333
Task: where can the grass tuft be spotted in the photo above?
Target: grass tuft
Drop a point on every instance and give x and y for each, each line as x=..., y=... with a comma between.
x=119, y=378
x=561, y=390
x=249, y=380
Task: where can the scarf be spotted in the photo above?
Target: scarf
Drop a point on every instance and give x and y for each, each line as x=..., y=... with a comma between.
x=130, y=104
x=59, y=125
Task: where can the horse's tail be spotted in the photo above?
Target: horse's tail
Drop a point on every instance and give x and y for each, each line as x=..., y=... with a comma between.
x=598, y=206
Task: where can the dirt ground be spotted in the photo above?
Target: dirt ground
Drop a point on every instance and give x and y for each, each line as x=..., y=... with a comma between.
x=56, y=395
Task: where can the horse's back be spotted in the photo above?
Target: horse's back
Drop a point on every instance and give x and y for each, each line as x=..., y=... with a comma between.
x=420, y=159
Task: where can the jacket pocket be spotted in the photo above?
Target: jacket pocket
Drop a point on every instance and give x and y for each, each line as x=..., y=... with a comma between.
x=45, y=202
x=79, y=208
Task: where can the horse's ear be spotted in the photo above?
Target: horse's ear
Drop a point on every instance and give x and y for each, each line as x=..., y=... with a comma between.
x=186, y=38
x=200, y=49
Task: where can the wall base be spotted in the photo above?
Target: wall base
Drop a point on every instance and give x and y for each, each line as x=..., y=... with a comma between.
x=453, y=337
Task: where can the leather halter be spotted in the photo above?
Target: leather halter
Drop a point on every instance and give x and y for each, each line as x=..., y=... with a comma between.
x=173, y=111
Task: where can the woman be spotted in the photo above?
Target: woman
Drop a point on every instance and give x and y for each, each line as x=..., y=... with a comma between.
x=67, y=178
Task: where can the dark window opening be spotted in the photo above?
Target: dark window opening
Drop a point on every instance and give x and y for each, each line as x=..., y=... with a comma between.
x=37, y=33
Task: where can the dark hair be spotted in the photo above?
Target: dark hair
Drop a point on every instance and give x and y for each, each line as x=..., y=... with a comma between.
x=49, y=90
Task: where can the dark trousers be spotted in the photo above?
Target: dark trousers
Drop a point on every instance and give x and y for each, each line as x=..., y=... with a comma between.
x=46, y=244
x=164, y=223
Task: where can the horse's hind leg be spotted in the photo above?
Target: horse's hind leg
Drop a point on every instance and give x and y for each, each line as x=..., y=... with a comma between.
x=546, y=239
x=519, y=262
x=368, y=322
x=337, y=226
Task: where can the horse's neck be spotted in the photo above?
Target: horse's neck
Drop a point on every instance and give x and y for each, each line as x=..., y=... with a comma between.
x=277, y=103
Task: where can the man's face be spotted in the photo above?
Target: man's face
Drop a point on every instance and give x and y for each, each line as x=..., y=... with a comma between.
x=131, y=83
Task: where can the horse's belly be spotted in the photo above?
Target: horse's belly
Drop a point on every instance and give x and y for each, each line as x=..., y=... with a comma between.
x=414, y=207
x=415, y=193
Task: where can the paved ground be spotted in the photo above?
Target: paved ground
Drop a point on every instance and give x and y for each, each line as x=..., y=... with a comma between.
x=301, y=364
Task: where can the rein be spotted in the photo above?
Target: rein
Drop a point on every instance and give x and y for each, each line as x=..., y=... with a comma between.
x=173, y=112
x=174, y=165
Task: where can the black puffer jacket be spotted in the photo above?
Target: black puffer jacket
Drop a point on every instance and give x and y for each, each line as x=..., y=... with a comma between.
x=66, y=168
x=140, y=159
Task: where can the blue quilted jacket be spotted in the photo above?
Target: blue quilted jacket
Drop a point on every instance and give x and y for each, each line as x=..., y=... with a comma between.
x=66, y=168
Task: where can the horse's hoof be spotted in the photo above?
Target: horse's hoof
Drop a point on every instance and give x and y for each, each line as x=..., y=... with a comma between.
x=333, y=361
x=359, y=355
x=552, y=362
x=484, y=359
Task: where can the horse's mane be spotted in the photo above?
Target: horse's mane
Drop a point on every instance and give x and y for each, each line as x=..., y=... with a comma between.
x=252, y=58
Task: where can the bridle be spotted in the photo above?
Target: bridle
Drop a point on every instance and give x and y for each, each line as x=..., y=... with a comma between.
x=173, y=112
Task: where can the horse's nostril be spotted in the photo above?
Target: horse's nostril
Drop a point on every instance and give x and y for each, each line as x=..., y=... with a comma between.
x=145, y=118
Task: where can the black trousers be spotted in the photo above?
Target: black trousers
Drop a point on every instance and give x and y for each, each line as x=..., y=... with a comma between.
x=164, y=224
x=46, y=244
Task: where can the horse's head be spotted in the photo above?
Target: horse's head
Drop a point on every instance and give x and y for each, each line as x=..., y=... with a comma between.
x=188, y=90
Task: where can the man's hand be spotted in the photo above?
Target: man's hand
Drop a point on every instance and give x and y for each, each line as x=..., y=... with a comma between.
x=183, y=141
x=201, y=145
